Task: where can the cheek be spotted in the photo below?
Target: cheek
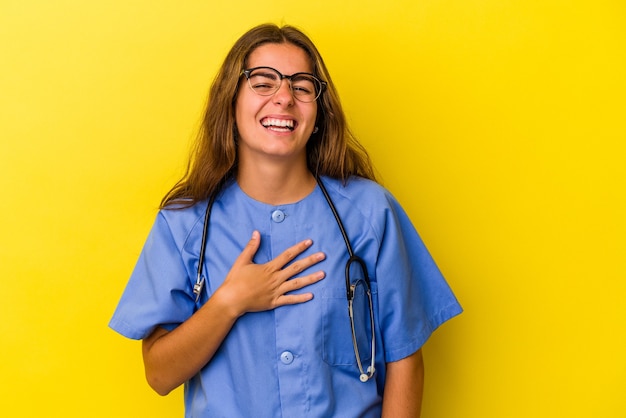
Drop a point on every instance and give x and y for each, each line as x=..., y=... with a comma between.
x=244, y=111
x=239, y=106
x=314, y=115
x=248, y=104
x=237, y=113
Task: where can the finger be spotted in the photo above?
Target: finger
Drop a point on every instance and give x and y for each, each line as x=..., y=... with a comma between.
x=301, y=265
x=248, y=252
x=290, y=253
x=293, y=299
x=300, y=282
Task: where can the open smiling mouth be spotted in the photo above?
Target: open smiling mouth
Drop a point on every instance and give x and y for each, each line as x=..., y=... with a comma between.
x=279, y=125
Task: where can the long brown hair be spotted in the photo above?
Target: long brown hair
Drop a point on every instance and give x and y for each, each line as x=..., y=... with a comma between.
x=333, y=151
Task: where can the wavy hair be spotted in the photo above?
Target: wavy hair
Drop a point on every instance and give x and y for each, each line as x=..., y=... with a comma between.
x=333, y=151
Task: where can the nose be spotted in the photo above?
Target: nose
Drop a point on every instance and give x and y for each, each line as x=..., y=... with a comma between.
x=284, y=95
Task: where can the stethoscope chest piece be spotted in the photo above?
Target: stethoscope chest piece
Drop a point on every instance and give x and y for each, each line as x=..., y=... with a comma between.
x=364, y=377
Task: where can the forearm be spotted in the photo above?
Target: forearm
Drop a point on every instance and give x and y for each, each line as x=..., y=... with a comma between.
x=171, y=358
x=404, y=387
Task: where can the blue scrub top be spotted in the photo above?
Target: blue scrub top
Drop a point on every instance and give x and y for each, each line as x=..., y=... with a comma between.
x=296, y=360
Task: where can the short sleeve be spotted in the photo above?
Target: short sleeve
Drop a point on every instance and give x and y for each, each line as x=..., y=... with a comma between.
x=413, y=296
x=158, y=292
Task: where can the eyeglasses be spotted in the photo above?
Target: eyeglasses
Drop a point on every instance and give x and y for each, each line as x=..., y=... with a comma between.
x=265, y=81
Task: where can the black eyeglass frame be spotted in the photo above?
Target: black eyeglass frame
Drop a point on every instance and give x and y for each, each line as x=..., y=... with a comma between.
x=322, y=84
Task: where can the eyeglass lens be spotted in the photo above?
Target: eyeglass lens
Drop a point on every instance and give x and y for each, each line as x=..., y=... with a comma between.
x=266, y=81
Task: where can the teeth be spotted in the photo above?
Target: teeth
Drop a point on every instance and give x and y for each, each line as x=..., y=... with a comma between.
x=281, y=123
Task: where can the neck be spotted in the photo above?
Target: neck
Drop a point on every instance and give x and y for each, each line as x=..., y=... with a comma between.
x=275, y=184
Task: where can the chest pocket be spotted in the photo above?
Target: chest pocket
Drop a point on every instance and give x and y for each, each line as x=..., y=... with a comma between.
x=337, y=346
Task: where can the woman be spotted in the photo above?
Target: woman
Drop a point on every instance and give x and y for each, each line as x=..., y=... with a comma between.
x=263, y=329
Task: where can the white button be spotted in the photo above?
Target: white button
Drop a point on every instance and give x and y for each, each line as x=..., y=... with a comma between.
x=278, y=216
x=286, y=357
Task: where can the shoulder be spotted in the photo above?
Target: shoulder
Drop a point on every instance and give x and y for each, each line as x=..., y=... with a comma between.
x=366, y=203
x=361, y=191
x=183, y=222
x=179, y=222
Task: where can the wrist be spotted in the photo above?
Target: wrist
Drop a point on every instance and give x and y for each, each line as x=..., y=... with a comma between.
x=226, y=303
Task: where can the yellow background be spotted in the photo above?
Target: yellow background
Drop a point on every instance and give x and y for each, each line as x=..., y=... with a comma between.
x=498, y=124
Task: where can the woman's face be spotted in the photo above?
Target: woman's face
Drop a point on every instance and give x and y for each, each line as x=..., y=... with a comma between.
x=275, y=127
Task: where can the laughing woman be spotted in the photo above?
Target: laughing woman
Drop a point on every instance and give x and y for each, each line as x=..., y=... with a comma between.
x=279, y=279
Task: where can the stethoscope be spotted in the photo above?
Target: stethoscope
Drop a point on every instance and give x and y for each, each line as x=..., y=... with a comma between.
x=354, y=259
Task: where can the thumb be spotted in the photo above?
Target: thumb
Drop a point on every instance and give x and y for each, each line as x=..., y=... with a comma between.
x=250, y=249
